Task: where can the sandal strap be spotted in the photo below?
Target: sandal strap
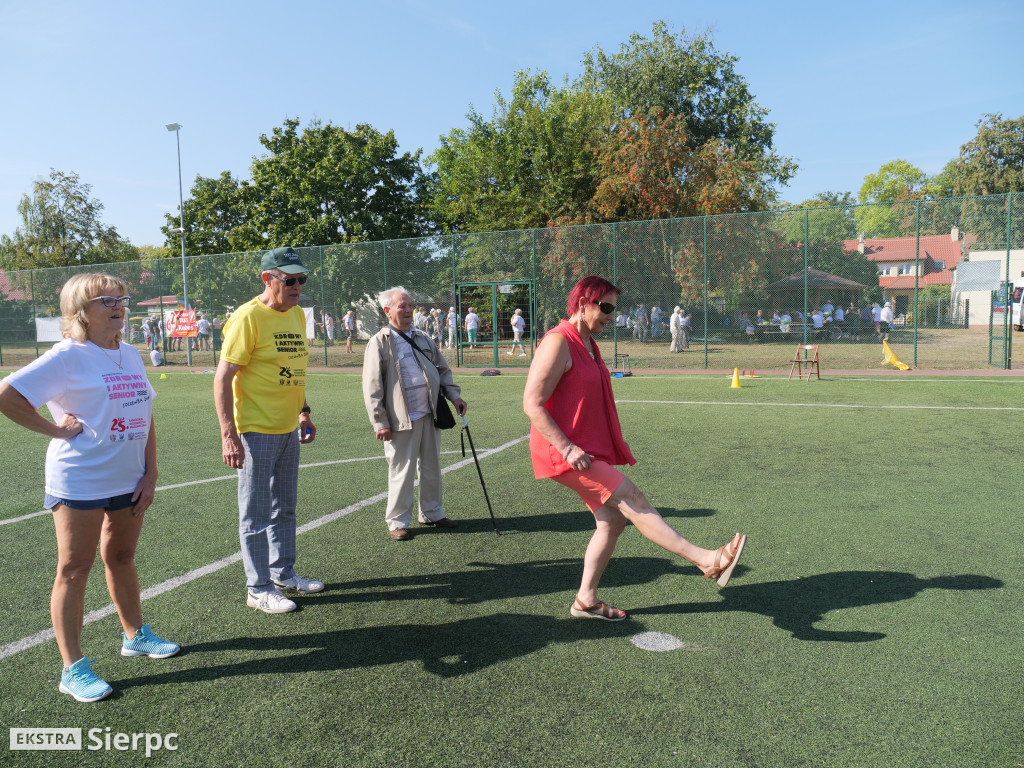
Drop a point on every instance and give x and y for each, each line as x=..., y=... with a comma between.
x=603, y=608
x=717, y=566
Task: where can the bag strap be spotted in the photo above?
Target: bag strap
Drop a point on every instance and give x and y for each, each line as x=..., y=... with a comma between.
x=413, y=345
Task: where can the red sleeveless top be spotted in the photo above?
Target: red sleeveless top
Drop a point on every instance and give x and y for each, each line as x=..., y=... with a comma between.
x=583, y=407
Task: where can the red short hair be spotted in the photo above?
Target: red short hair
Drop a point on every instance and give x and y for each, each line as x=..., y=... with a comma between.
x=588, y=290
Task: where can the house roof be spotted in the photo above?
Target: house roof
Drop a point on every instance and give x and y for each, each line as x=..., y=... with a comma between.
x=165, y=300
x=12, y=294
x=815, y=279
x=904, y=249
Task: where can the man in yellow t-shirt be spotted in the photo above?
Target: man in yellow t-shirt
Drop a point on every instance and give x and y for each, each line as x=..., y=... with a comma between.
x=260, y=394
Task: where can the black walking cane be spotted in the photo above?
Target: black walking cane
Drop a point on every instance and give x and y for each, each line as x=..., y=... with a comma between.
x=465, y=430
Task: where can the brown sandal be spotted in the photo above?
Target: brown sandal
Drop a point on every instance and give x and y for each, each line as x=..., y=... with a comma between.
x=596, y=611
x=722, y=571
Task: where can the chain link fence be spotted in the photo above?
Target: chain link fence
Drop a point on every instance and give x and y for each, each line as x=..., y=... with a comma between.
x=745, y=289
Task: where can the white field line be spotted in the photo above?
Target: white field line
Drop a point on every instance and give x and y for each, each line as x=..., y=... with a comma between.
x=29, y=516
x=166, y=586
x=831, y=405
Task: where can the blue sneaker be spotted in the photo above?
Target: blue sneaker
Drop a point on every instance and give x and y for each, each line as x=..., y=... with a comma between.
x=145, y=643
x=80, y=681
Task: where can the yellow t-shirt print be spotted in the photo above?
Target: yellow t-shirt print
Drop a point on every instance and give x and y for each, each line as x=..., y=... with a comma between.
x=270, y=386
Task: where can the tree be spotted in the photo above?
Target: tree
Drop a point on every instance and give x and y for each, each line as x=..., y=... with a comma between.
x=992, y=162
x=688, y=76
x=896, y=181
x=216, y=217
x=532, y=162
x=542, y=156
x=61, y=227
x=320, y=186
x=831, y=216
x=650, y=169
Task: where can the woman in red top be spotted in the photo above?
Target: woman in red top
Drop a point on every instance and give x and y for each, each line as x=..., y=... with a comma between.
x=575, y=438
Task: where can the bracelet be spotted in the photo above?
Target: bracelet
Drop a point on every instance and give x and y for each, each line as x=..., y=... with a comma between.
x=567, y=451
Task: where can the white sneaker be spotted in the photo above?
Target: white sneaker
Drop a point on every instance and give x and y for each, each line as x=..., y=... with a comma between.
x=511, y=353
x=300, y=585
x=270, y=601
x=522, y=354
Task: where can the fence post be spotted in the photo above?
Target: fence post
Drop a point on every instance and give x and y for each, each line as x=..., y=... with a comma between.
x=807, y=234
x=1007, y=311
x=209, y=308
x=704, y=219
x=323, y=304
x=917, y=275
x=32, y=290
x=615, y=281
x=534, y=309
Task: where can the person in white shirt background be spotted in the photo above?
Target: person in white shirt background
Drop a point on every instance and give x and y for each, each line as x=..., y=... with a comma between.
x=518, y=326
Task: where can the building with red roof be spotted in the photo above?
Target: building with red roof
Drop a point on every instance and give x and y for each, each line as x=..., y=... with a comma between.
x=908, y=262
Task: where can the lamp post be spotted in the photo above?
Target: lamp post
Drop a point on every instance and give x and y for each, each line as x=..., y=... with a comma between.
x=176, y=128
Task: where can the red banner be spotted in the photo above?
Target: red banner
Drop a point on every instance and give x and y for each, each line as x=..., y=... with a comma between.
x=181, y=324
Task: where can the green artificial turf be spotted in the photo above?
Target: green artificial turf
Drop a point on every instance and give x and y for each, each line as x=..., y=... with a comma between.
x=875, y=618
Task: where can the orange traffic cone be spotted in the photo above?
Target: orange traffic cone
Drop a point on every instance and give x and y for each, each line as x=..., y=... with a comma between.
x=735, y=379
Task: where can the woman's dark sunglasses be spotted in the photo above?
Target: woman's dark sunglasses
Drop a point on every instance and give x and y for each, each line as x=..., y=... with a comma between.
x=290, y=281
x=605, y=307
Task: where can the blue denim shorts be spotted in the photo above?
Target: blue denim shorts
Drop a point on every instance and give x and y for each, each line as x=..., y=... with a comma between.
x=111, y=503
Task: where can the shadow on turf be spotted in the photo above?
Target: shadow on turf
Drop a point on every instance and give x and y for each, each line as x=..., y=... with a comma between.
x=484, y=582
x=797, y=605
x=572, y=521
x=448, y=650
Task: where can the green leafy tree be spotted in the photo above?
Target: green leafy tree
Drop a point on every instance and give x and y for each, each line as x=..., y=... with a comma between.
x=217, y=215
x=830, y=216
x=530, y=163
x=688, y=76
x=61, y=226
x=992, y=162
x=318, y=186
x=896, y=181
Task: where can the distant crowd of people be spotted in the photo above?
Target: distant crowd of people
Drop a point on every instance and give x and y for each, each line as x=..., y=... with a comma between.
x=824, y=320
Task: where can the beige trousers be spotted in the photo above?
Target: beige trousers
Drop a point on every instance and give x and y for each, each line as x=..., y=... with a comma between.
x=408, y=452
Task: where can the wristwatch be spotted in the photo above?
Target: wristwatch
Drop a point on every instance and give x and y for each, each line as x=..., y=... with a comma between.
x=306, y=409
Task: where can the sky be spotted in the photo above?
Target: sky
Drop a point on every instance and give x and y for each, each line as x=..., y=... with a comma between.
x=88, y=87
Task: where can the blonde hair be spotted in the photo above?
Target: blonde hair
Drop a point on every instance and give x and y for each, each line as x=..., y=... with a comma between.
x=74, y=299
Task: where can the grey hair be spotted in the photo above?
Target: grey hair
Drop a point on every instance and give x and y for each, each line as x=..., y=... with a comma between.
x=386, y=297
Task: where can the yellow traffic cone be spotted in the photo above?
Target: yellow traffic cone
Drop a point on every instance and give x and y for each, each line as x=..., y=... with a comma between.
x=735, y=379
x=163, y=375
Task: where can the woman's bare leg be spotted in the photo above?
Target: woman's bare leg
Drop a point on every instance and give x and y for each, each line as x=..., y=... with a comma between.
x=78, y=532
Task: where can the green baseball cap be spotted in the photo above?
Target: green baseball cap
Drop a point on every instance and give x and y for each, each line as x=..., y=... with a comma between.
x=284, y=259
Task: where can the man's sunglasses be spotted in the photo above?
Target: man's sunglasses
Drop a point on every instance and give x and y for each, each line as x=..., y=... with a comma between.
x=290, y=281
x=605, y=307
x=113, y=301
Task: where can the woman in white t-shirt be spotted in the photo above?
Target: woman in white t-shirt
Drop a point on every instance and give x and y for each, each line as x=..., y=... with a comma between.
x=100, y=466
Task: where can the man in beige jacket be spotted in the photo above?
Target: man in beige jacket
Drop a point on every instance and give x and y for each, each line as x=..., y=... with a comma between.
x=403, y=372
